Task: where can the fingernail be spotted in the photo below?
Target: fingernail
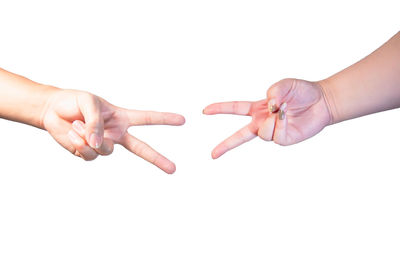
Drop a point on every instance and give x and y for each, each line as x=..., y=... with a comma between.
x=73, y=136
x=94, y=141
x=272, y=105
x=78, y=126
x=282, y=113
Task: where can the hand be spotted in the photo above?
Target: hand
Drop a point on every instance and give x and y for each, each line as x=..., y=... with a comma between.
x=88, y=126
x=294, y=110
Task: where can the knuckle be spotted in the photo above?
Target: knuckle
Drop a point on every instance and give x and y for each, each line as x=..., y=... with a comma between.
x=164, y=118
x=155, y=159
x=235, y=106
x=147, y=118
x=87, y=96
x=80, y=145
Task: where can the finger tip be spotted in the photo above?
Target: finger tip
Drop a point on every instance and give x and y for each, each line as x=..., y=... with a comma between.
x=207, y=110
x=176, y=119
x=215, y=155
x=181, y=120
x=170, y=169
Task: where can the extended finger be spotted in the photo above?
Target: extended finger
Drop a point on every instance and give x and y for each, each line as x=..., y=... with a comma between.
x=235, y=107
x=245, y=134
x=86, y=152
x=146, y=152
x=106, y=147
x=137, y=117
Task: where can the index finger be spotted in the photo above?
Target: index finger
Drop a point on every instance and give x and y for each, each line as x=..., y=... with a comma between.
x=136, y=117
x=235, y=107
x=146, y=152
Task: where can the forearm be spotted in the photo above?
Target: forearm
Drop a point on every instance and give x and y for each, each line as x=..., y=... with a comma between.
x=21, y=99
x=368, y=86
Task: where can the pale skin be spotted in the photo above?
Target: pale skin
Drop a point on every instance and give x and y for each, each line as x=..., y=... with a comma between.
x=295, y=110
x=83, y=123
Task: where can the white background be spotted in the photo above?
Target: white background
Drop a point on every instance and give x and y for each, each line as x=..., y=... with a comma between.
x=333, y=197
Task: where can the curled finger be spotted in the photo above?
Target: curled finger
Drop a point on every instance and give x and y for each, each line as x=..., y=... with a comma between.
x=106, y=148
x=86, y=152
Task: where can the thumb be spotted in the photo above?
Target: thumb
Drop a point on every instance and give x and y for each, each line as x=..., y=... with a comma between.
x=89, y=105
x=279, y=93
x=280, y=137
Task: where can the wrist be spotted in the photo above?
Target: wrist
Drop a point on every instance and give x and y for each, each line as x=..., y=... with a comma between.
x=23, y=100
x=328, y=94
x=46, y=97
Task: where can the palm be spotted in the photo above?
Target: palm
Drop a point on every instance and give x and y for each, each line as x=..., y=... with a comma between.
x=65, y=108
x=306, y=115
x=115, y=122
